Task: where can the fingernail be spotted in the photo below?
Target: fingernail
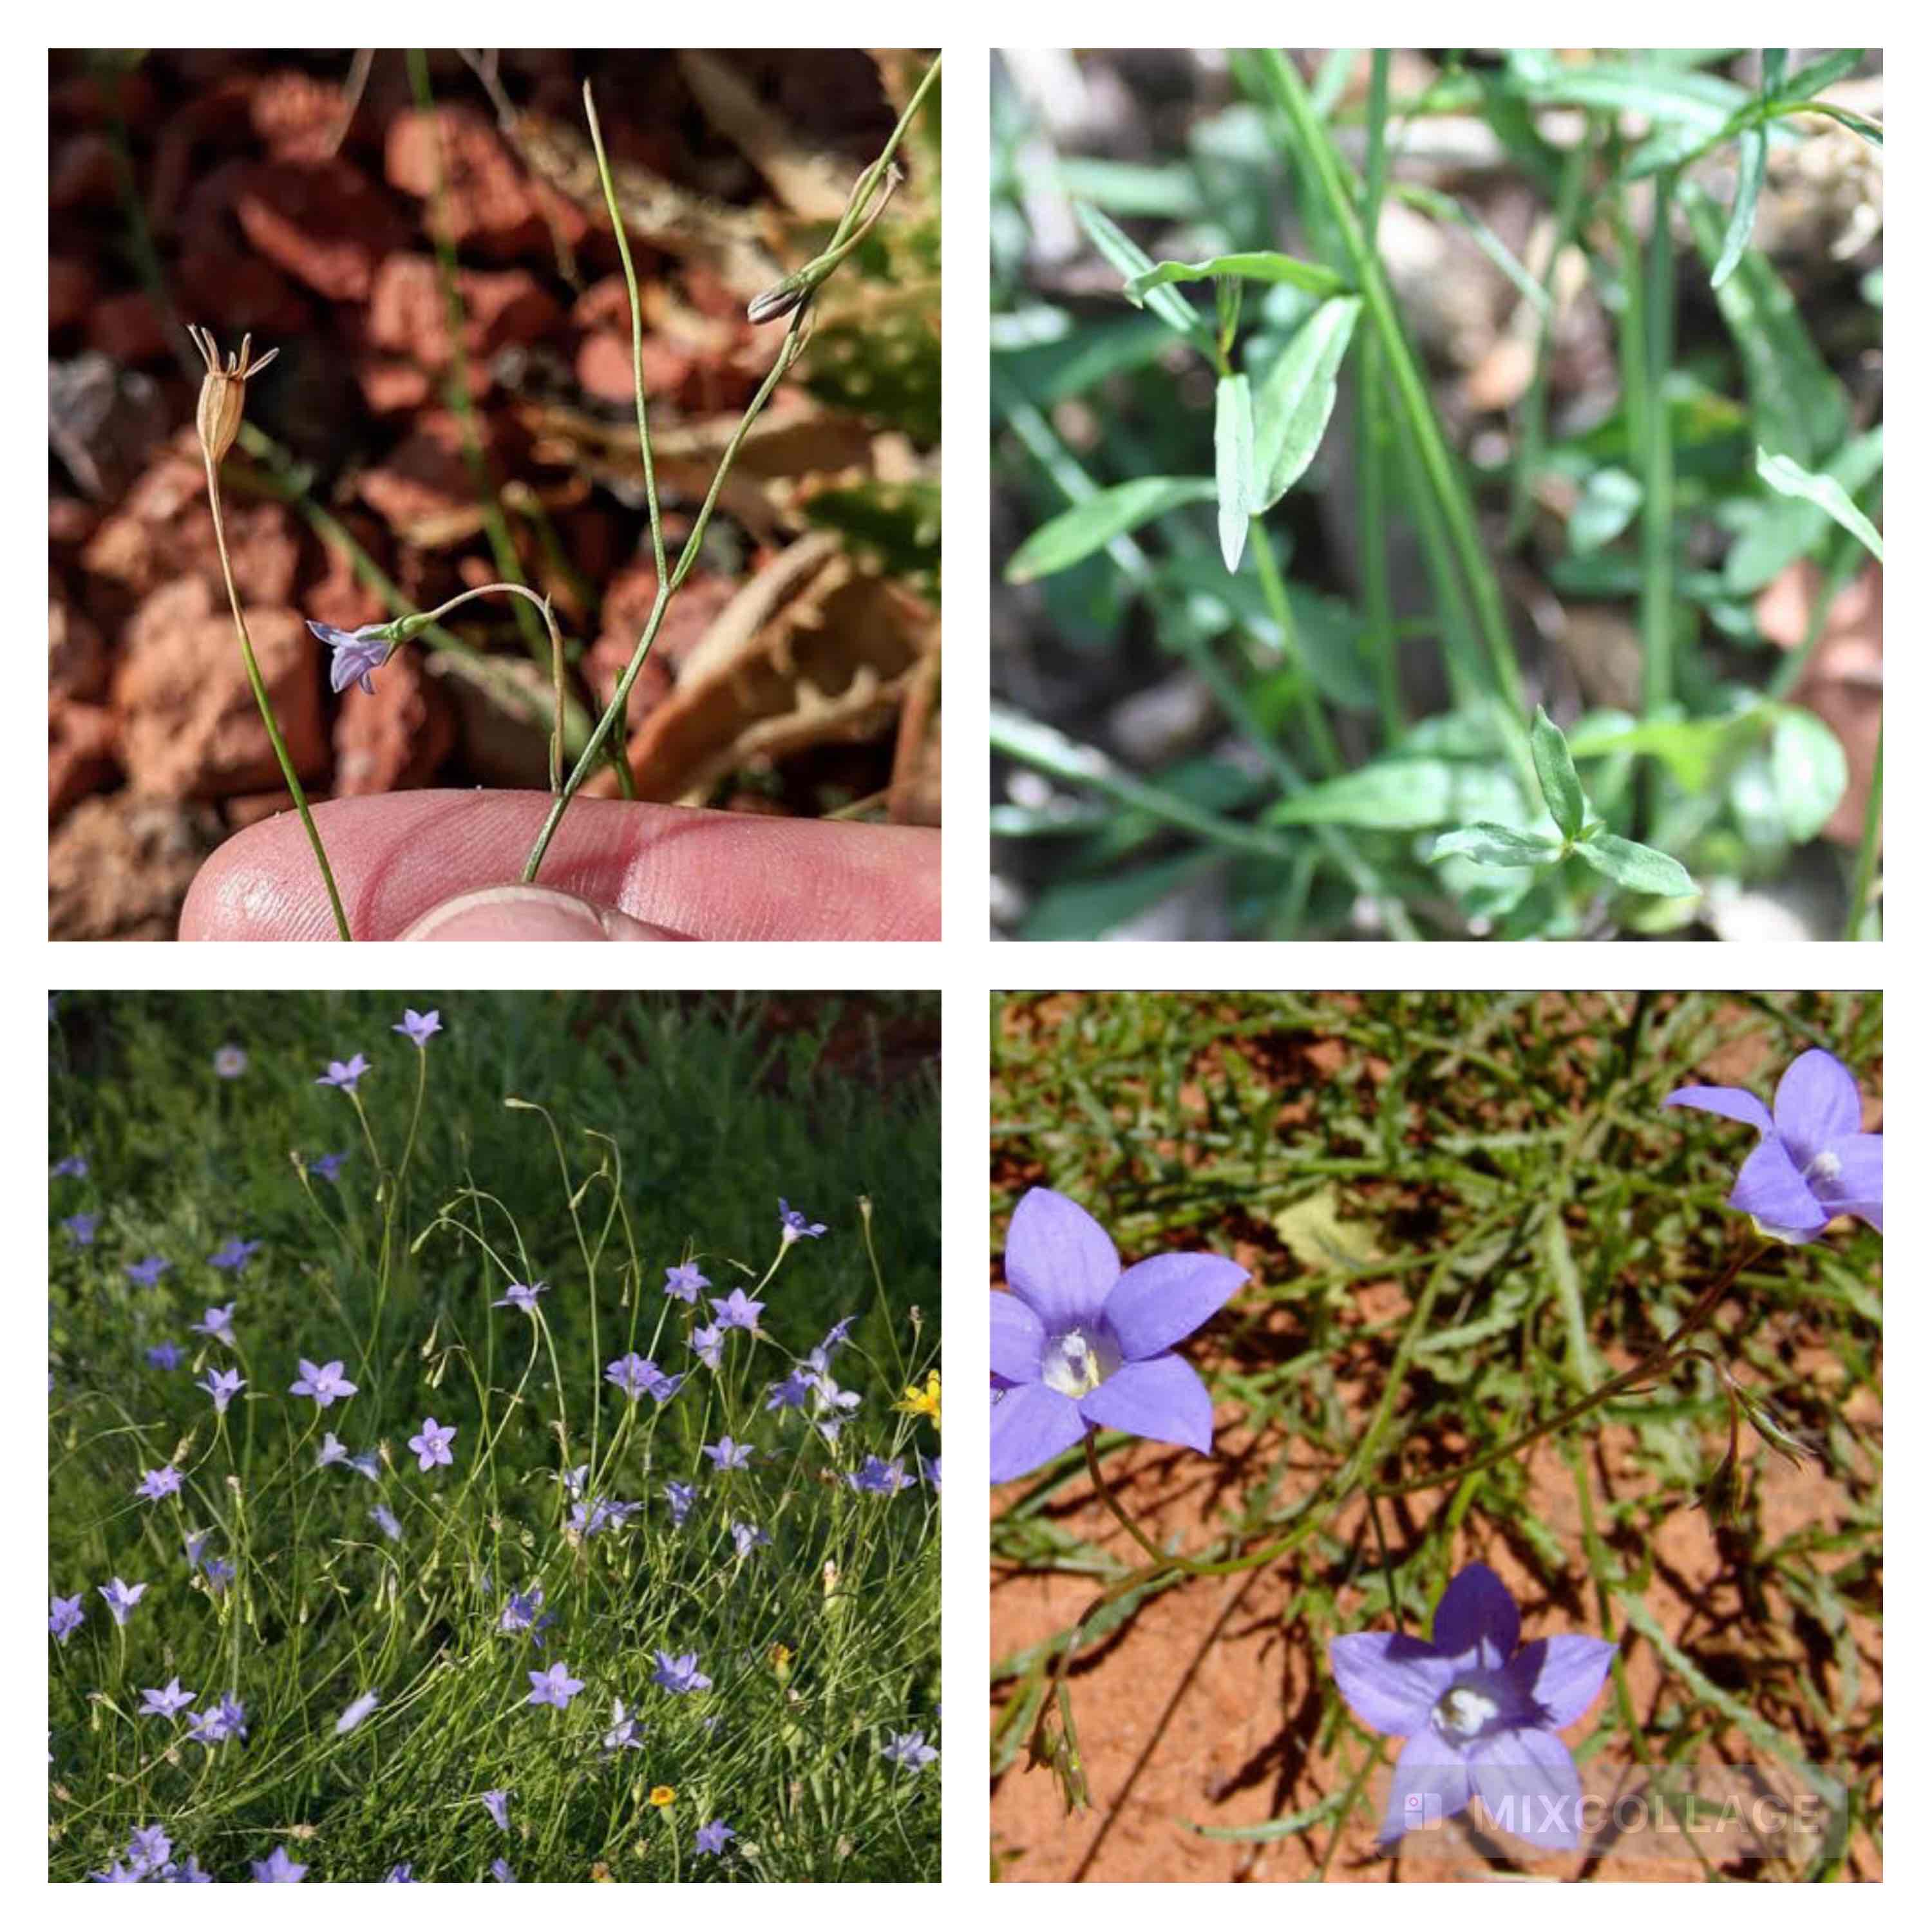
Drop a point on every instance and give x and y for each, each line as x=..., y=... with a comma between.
x=529, y=912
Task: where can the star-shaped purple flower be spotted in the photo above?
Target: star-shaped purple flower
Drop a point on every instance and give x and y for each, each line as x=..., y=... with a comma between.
x=713, y=1837
x=156, y=1483
x=680, y=1496
x=217, y=1323
x=418, y=1026
x=165, y=1355
x=224, y=1385
x=327, y=1166
x=325, y=1384
x=746, y=1536
x=726, y=1454
x=707, y=1344
x=358, y=654
x=554, y=1686
x=910, y=1749
x=523, y=1294
x=344, y=1073
x=1479, y=1713
x=149, y=1271
x=634, y=1375
x=73, y=1168
x=64, y=1616
x=679, y=1675
x=278, y=1868
x=121, y=1597
x=167, y=1701
x=683, y=1282
x=793, y=1226
x=1079, y=1345
x=232, y=1256
x=1811, y=1162
x=876, y=1478
x=497, y=1804
x=431, y=1444
x=737, y=1310
x=81, y=1228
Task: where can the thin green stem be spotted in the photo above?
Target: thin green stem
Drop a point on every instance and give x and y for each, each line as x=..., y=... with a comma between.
x=1372, y=427
x=1308, y=699
x=1104, y=1490
x=1660, y=465
x=1867, y=871
x=267, y=710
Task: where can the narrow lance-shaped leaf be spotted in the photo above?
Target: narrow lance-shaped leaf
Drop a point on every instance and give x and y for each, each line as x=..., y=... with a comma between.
x=1092, y=525
x=1495, y=845
x=1637, y=868
x=1556, y=772
x=1131, y=259
x=1233, y=464
x=1753, y=145
x=1260, y=265
x=1826, y=492
x=1296, y=398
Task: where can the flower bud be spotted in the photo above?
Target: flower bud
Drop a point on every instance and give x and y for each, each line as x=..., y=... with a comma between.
x=217, y=416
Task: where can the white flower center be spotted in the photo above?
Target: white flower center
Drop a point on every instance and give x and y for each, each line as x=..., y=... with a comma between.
x=1461, y=1712
x=1078, y=1362
x=1827, y=1166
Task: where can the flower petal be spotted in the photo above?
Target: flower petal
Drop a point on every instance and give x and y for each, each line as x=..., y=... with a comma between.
x=1059, y=1260
x=1391, y=1681
x=1529, y=1784
x=1477, y=1612
x=1431, y=1782
x=1857, y=1185
x=1159, y=1300
x=1031, y=1425
x=1734, y=1103
x=1018, y=1339
x=1562, y=1674
x=1772, y=1191
x=1817, y=1102
x=1162, y=1398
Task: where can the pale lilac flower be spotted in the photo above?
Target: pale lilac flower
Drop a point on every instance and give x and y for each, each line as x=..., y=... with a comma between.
x=278, y=1868
x=1811, y=1162
x=432, y=1445
x=232, y=1256
x=117, y=1873
x=224, y=1384
x=219, y=1724
x=679, y=1675
x=230, y=1062
x=911, y=1750
x=344, y=1073
x=1479, y=1715
x=930, y=1470
x=497, y=1804
x=165, y=1355
x=708, y=1344
x=217, y=1323
x=156, y=1483
x=167, y=1701
x=331, y=1450
x=554, y=1686
x=791, y=1392
x=711, y=1838
x=418, y=1026
x=385, y=1520
x=623, y=1733
x=683, y=1282
x=737, y=1310
x=193, y=1543
x=359, y=654
x=64, y=1616
x=874, y=1478
x=520, y=1613
x=327, y=1166
x=524, y=1295
x=634, y=1375
x=81, y=1228
x=356, y=1712
x=681, y=1496
x=499, y=1870
x=726, y=1454
x=835, y=1340
x=149, y=1271
x=402, y=1874
x=121, y=1597
x=149, y=1847
x=794, y=1227
x=73, y=1168
x=1078, y=1345
x=220, y=1573
x=748, y=1536
x=325, y=1384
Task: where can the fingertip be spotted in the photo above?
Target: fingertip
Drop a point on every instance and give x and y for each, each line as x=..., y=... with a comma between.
x=523, y=912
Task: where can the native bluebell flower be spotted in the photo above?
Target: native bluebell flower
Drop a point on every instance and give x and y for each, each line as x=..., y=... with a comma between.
x=220, y=1573
x=683, y=1282
x=748, y=1536
x=499, y=1870
x=344, y=1073
x=149, y=1271
x=73, y=1168
x=679, y=1675
x=793, y=1226
x=167, y=1701
x=418, y=1026
x=635, y=1375
x=930, y=1470
x=354, y=1713
x=325, y=1384
x=165, y=1355
x=1479, y=1715
x=359, y=654
x=431, y=1444
x=117, y=1873
x=327, y=1166
x=81, y=1228
x=384, y=1519
x=230, y=1062
x=156, y=1483
x=792, y=1392
x=554, y=1686
x=835, y=1340
x=831, y=1405
x=524, y=1295
x=1811, y=1162
x=149, y=1847
x=224, y=1384
x=216, y=1323
x=520, y=1612
x=712, y=1838
x=875, y=1478
x=497, y=1804
x=278, y=1868
x=707, y=1344
x=404, y=1873
x=232, y=1256
x=64, y=1616
x=624, y=1733
x=1078, y=1345
x=737, y=1310
x=680, y=1496
x=121, y=1597
x=726, y=1454
x=220, y=1724
x=911, y=1750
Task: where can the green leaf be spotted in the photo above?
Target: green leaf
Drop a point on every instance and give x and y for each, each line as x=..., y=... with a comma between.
x=1556, y=772
x=1092, y=525
x=1753, y=145
x=1808, y=772
x=1869, y=131
x=1259, y=266
x=1297, y=397
x=1704, y=101
x=1090, y=908
x=1821, y=73
x=1447, y=207
x=1495, y=845
x=1233, y=464
x=1610, y=499
x=1403, y=795
x=1637, y=868
x=1130, y=259
x=1787, y=527
x=1826, y=492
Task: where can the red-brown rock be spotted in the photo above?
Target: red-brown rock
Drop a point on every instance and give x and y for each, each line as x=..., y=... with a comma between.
x=80, y=751
x=119, y=868
x=127, y=329
x=296, y=115
x=326, y=225
x=398, y=737
x=82, y=174
x=77, y=656
x=490, y=203
x=70, y=287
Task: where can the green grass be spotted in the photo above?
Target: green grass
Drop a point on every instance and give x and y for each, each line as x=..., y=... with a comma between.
x=1502, y=1162
x=642, y=1131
